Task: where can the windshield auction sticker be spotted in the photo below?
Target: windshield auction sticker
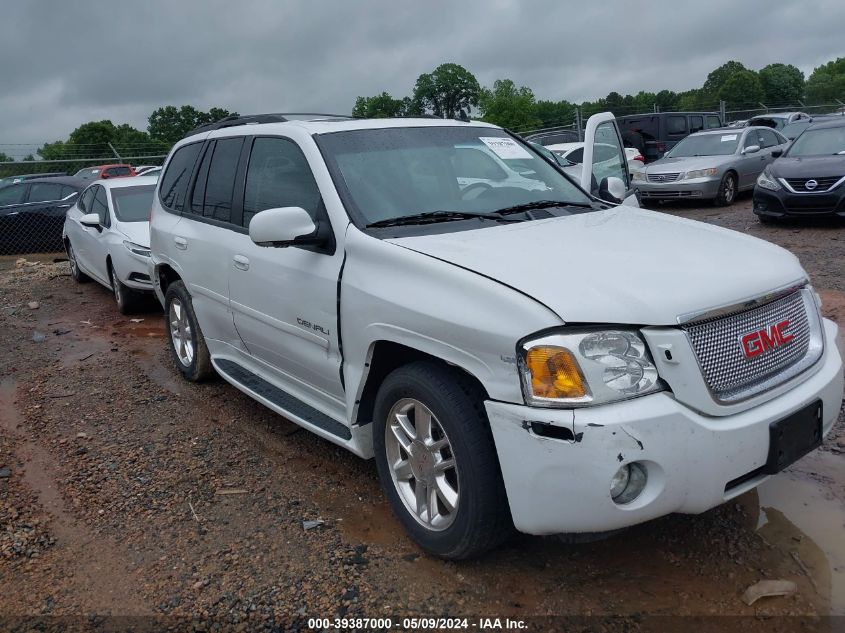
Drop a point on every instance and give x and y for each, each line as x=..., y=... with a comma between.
x=728, y=137
x=505, y=148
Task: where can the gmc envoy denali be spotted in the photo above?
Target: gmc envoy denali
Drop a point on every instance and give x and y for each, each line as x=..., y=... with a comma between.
x=512, y=347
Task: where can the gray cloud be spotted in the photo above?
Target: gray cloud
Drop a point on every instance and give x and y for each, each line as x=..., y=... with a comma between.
x=71, y=62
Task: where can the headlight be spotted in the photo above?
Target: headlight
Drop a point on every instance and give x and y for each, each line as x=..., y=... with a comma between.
x=143, y=251
x=585, y=368
x=701, y=173
x=766, y=181
x=639, y=175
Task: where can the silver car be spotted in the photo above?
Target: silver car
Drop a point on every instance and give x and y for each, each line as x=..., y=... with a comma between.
x=715, y=165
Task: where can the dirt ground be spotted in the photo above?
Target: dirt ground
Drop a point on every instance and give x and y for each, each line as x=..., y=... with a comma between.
x=125, y=491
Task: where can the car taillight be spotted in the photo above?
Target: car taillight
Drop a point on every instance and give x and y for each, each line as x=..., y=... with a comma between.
x=640, y=158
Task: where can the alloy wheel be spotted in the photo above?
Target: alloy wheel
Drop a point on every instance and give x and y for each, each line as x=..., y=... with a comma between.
x=422, y=464
x=181, y=334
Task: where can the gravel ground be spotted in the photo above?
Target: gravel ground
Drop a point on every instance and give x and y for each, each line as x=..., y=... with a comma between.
x=125, y=491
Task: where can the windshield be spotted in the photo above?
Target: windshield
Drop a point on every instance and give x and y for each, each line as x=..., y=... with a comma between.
x=132, y=204
x=87, y=173
x=706, y=145
x=819, y=142
x=792, y=130
x=397, y=172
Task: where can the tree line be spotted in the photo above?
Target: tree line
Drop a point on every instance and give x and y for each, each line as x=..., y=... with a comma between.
x=451, y=91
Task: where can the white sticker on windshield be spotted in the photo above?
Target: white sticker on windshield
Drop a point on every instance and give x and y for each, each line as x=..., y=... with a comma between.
x=728, y=137
x=505, y=148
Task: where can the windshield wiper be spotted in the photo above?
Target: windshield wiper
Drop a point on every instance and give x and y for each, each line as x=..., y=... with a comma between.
x=541, y=204
x=431, y=217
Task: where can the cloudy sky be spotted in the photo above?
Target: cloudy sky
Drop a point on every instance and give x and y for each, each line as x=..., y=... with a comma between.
x=64, y=63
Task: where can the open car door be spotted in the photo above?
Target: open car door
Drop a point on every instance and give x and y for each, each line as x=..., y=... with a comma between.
x=604, y=170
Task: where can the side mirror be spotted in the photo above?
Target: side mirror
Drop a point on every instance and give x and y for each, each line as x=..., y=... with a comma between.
x=777, y=153
x=284, y=226
x=751, y=149
x=612, y=189
x=90, y=219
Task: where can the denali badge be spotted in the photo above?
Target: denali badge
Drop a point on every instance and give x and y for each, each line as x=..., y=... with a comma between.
x=755, y=343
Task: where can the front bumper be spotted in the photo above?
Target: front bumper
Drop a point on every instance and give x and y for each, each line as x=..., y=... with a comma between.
x=783, y=203
x=695, y=188
x=132, y=270
x=558, y=485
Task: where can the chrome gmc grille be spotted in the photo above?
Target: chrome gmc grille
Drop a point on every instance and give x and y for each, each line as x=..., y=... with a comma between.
x=663, y=177
x=729, y=373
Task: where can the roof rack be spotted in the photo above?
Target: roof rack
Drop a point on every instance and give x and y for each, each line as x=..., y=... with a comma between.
x=253, y=119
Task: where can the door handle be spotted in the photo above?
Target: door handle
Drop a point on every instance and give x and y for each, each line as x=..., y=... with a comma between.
x=241, y=262
x=181, y=243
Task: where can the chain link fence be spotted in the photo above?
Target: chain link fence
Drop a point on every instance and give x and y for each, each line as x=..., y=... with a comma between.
x=36, y=194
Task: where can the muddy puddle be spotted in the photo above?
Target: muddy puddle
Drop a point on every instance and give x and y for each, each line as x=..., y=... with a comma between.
x=802, y=513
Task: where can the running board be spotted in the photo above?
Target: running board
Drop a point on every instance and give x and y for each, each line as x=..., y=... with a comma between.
x=281, y=399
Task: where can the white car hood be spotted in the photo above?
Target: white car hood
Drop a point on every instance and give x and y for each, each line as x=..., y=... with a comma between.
x=622, y=265
x=137, y=232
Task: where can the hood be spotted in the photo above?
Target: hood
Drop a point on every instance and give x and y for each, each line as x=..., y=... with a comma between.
x=137, y=232
x=622, y=265
x=808, y=167
x=687, y=163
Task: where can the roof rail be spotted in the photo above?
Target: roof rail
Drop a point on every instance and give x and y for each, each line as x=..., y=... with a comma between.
x=251, y=119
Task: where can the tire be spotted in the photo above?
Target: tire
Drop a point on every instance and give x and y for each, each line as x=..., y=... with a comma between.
x=75, y=272
x=481, y=517
x=181, y=325
x=727, y=190
x=127, y=300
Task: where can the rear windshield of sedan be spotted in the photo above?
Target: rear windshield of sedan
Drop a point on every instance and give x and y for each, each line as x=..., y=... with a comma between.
x=706, y=145
x=821, y=142
x=132, y=204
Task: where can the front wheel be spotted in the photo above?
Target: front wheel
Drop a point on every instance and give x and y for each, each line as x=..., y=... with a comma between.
x=727, y=190
x=187, y=344
x=437, y=461
x=76, y=273
x=127, y=300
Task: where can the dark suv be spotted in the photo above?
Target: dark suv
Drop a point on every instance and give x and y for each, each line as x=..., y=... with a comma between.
x=656, y=133
x=32, y=214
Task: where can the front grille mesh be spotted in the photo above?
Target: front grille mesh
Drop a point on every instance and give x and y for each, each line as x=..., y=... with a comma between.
x=663, y=177
x=717, y=345
x=822, y=184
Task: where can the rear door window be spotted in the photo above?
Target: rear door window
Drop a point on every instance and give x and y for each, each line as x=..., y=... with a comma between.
x=696, y=124
x=220, y=186
x=713, y=122
x=45, y=192
x=676, y=124
x=174, y=183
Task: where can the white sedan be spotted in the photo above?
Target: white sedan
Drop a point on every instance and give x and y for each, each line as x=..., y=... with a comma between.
x=574, y=153
x=107, y=237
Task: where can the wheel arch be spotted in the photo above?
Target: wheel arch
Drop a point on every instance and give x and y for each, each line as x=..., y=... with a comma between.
x=166, y=275
x=385, y=356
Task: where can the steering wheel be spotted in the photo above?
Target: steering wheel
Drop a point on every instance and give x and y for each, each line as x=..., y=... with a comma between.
x=473, y=191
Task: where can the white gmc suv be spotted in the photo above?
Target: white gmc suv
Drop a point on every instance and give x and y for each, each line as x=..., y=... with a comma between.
x=513, y=350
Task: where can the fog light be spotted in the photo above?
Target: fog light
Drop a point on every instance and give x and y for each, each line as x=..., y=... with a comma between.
x=628, y=482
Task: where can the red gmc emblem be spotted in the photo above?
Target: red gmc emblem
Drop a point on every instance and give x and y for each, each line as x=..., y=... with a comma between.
x=755, y=343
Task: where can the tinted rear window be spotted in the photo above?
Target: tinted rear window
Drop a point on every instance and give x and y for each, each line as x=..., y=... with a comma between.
x=676, y=125
x=45, y=192
x=174, y=183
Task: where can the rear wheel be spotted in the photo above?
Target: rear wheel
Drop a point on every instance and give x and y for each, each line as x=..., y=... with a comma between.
x=75, y=272
x=437, y=461
x=727, y=190
x=186, y=342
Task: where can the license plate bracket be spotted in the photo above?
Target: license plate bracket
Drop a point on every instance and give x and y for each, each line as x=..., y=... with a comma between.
x=793, y=437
